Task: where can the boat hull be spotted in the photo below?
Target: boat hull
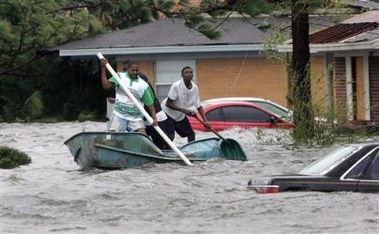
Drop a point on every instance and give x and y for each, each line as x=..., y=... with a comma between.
x=111, y=150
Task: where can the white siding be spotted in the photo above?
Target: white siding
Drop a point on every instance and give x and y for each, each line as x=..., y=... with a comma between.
x=167, y=72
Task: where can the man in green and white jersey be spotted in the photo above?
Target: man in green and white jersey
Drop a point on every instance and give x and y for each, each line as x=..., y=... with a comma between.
x=126, y=117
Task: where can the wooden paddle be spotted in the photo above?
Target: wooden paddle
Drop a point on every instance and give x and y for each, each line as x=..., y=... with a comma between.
x=143, y=111
x=229, y=147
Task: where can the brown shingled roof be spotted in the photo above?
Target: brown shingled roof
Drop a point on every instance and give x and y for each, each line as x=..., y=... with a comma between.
x=340, y=32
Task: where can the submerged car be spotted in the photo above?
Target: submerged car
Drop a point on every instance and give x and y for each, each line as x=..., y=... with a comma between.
x=271, y=106
x=353, y=167
x=225, y=115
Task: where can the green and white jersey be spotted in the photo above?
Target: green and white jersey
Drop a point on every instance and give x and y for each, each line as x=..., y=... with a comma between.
x=124, y=107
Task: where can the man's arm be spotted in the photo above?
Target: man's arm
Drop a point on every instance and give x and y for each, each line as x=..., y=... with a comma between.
x=201, y=112
x=151, y=109
x=170, y=104
x=148, y=101
x=104, y=80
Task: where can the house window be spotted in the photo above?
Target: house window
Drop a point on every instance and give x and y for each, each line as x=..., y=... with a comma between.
x=161, y=90
x=167, y=72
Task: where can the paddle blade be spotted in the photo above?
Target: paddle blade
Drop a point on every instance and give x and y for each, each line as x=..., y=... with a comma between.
x=232, y=150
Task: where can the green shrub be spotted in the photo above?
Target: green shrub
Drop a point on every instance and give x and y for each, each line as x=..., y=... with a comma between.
x=86, y=115
x=33, y=106
x=11, y=158
x=70, y=111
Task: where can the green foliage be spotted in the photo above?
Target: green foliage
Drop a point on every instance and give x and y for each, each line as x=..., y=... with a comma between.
x=300, y=96
x=277, y=36
x=11, y=158
x=254, y=8
x=36, y=86
x=33, y=25
x=87, y=115
x=207, y=29
x=45, y=85
x=202, y=18
x=33, y=107
x=324, y=135
x=70, y=111
x=120, y=14
x=28, y=26
x=13, y=94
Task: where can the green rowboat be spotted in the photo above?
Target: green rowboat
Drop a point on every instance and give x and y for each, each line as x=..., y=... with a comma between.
x=111, y=150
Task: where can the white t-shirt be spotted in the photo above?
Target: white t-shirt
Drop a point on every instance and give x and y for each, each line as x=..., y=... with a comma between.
x=161, y=116
x=183, y=98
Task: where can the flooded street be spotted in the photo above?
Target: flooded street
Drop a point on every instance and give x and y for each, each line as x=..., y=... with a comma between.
x=51, y=195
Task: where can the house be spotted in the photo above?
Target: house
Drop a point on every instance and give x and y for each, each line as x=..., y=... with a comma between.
x=350, y=51
x=235, y=64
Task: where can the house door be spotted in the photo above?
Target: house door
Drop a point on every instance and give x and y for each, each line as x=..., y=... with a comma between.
x=169, y=71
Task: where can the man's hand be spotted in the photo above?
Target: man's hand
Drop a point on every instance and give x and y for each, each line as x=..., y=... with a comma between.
x=188, y=112
x=103, y=62
x=207, y=125
x=155, y=123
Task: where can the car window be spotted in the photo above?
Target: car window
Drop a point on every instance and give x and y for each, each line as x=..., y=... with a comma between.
x=272, y=108
x=329, y=161
x=245, y=114
x=375, y=168
x=372, y=172
x=214, y=115
x=358, y=171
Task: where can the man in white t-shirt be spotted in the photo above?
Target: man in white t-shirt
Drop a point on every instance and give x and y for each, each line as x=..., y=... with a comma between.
x=183, y=99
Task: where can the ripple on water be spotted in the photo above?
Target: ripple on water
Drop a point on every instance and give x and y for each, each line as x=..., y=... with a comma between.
x=13, y=179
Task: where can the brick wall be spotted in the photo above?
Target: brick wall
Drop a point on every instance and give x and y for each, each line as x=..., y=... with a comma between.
x=259, y=77
x=359, y=95
x=374, y=88
x=145, y=67
x=340, y=88
x=318, y=85
x=339, y=82
x=254, y=77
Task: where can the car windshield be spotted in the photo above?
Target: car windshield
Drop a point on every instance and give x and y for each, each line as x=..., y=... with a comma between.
x=328, y=162
x=275, y=109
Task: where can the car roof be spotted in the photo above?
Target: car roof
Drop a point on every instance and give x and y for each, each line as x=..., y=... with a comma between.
x=245, y=99
x=366, y=142
x=229, y=103
x=236, y=99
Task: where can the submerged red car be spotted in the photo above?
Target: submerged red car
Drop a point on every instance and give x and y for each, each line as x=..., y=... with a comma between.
x=225, y=115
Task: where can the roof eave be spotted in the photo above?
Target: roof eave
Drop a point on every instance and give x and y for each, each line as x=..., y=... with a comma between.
x=335, y=47
x=160, y=50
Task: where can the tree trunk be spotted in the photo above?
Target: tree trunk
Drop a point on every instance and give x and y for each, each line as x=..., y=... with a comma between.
x=301, y=85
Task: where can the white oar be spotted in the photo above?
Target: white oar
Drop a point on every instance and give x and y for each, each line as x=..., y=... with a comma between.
x=143, y=111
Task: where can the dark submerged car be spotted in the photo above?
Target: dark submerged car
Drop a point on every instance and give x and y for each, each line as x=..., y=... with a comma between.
x=354, y=167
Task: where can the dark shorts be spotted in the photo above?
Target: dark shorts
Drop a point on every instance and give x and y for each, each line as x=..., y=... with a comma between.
x=156, y=137
x=183, y=127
